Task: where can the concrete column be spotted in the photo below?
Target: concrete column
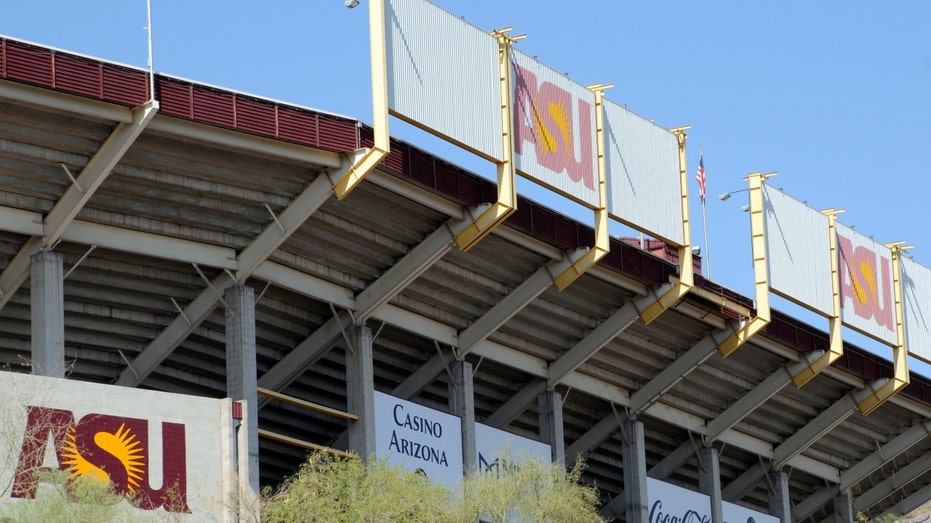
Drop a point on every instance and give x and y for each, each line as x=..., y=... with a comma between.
x=360, y=391
x=47, y=314
x=242, y=380
x=843, y=508
x=779, y=505
x=549, y=405
x=462, y=404
x=709, y=481
x=633, y=454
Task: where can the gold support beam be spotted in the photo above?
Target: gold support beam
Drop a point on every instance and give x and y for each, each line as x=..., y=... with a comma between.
x=602, y=241
x=760, y=270
x=900, y=378
x=836, y=349
x=373, y=156
x=507, y=185
x=686, y=279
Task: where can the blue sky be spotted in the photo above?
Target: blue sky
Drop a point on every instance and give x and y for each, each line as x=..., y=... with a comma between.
x=834, y=96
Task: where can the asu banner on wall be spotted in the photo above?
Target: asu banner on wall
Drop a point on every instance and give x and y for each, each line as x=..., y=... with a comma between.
x=168, y=453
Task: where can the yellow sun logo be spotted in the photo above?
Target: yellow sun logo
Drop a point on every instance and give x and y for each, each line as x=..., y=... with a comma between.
x=123, y=445
x=543, y=136
x=864, y=292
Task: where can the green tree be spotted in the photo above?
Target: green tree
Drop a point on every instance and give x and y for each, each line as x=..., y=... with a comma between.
x=335, y=490
x=66, y=499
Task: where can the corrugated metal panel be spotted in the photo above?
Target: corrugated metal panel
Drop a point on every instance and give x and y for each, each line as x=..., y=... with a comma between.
x=799, y=250
x=256, y=116
x=554, y=130
x=29, y=63
x=916, y=284
x=213, y=106
x=866, y=284
x=79, y=75
x=443, y=73
x=123, y=85
x=298, y=126
x=175, y=98
x=337, y=134
x=643, y=174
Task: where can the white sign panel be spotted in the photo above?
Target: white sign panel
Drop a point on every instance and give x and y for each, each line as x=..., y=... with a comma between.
x=166, y=458
x=644, y=186
x=865, y=273
x=734, y=513
x=673, y=504
x=799, y=251
x=491, y=443
x=443, y=75
x=916, y=291
x=419, y=438
x=554, y=130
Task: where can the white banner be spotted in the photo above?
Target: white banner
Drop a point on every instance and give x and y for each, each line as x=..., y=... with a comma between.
x=644, y=188
x=916, y=291
x=419, y=438
x=865, y=273
x=554, y=130
x=799, y=251
x=164, y=457
x=493, y=444
x=673, y=504
x=739, y=514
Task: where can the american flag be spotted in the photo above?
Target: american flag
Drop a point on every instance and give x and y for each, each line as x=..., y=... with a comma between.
x=700, y=177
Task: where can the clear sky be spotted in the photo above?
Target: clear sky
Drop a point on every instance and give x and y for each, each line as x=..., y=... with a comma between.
x=833, y=95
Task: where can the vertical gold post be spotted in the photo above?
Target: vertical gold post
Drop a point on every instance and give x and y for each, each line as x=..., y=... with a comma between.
x=760, y=270
x=602, y=241
x=507, y=184
x=900, y=377
x=686, y=279
x=836, y=349
x=372, y=157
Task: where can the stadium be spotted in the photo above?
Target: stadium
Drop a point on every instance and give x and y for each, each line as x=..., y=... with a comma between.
x=166, y=236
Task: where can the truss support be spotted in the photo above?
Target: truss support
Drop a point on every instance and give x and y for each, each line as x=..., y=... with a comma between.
x=507, y=183
x=382, y=142
x=760, y=269
x=836, y=349
x=686, y=279
x=900, y=378
x=602, y=241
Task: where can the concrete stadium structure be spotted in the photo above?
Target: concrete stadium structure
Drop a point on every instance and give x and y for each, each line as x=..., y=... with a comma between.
x=191, y=242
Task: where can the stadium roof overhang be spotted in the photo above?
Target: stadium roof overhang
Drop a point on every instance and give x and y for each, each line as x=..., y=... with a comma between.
x=157, y=208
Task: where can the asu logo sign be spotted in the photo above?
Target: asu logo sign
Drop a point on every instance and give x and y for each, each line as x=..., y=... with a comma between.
x=866, y=286
x=554, y=129
x=105, y=447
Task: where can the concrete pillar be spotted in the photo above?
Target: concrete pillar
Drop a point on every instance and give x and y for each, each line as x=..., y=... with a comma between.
x=242, y=380
x=709, y=481
x=549, y=405
x=47, y=314
x=360, y=391
x=462, y=404
x=779, y=501
x=634, y=458
x=843, y=508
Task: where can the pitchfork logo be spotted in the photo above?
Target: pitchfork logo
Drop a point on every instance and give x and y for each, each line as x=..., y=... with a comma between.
x=106, y=448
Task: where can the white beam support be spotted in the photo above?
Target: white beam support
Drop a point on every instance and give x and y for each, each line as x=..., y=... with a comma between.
x=95, y=172
x=891, y=484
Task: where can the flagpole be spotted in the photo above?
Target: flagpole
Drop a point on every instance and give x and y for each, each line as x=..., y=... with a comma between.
x=704, y=221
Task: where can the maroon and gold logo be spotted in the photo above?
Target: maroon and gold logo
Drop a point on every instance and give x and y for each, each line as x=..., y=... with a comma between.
x=107, y=448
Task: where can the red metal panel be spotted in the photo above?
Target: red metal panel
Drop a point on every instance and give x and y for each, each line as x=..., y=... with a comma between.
x=397, y=158
x=175, y=98
x=29, y=63
x=125, y=86
x=338, y=134
x=3, y=57
x=213, y=106
x=298, y=126
x=256, y=116
x=78, y=75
